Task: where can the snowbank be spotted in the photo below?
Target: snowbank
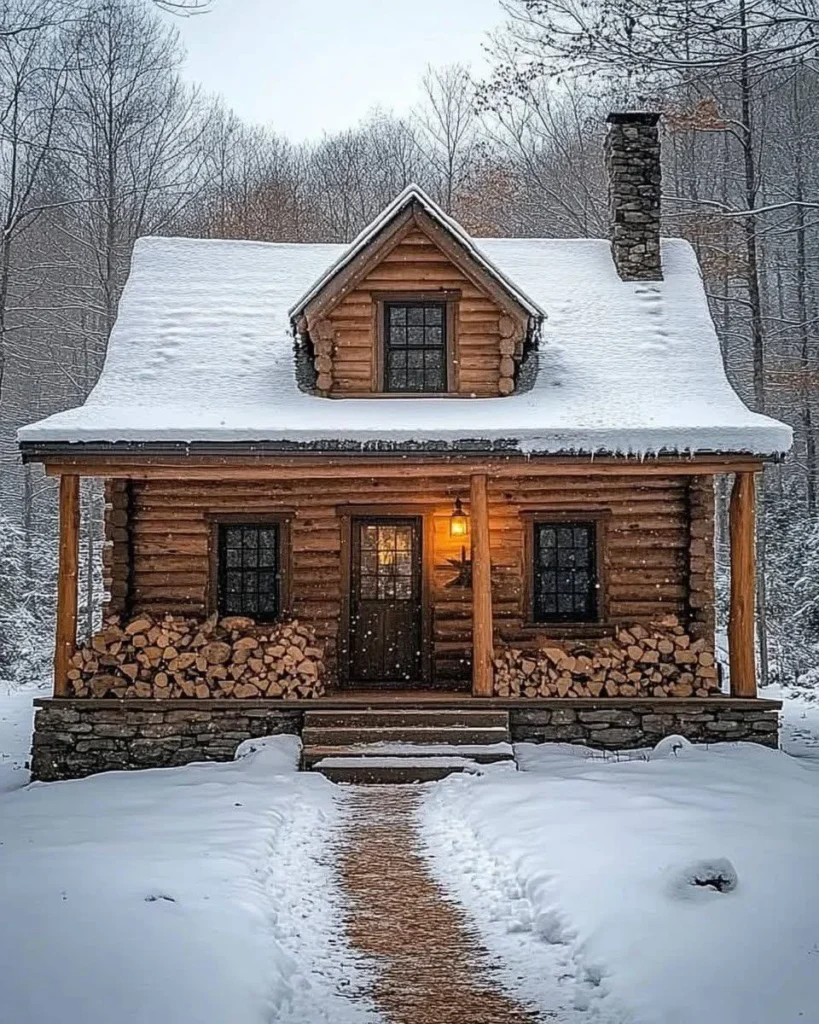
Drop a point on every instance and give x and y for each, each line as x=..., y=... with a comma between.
x=16, y=723
x=585, y=855
x=199, y=895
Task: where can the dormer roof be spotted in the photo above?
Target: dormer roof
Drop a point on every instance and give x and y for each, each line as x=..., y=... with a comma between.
x=412, y=206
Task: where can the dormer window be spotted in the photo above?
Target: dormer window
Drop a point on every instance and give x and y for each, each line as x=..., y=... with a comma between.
x=415, y=346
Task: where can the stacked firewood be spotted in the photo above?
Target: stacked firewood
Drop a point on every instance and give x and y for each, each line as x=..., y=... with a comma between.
x=660, y=660
x=180, y=657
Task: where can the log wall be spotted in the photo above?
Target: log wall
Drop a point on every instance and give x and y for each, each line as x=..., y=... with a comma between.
x=417, y=265
x=657, y=548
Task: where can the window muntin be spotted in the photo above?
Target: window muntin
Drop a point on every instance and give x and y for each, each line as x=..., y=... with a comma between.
x=565, y=572
x=415, y=346
x=250, y=570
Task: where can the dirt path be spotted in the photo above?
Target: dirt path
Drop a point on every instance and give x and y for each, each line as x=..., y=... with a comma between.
x=433, y=969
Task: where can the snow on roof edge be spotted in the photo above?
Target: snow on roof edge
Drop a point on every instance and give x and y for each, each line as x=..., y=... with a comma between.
x=364, y=237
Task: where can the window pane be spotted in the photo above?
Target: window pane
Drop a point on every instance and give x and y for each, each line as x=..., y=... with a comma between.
x=398, y=314
x=565, y=585
x=433, y=360
x=433, y=314
x=415, y=315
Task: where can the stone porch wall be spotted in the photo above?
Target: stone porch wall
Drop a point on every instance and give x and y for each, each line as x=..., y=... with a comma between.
x=628, y=724
x=74, y=738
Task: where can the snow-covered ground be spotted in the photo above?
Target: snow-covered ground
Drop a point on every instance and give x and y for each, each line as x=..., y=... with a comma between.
x=207, y=894
x=199, y=895
x=585, y=863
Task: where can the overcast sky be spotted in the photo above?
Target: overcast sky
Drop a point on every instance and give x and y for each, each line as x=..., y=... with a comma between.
x=308, y=66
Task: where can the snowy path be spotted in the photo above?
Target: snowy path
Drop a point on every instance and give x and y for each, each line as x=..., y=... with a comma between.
x=432, y=970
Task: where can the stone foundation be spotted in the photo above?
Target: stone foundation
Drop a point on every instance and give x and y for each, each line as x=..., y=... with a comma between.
x=627, y=724
x=74, y=738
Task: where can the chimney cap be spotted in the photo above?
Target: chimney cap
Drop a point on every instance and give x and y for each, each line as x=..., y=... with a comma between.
x=644, y=117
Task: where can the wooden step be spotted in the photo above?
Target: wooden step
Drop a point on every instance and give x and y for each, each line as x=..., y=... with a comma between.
x=313, y=736
x=480, y=753
x=371, y=717
x=393, y=771
x=397, y=745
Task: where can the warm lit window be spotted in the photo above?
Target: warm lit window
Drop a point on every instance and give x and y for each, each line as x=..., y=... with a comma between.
x=565, y=587
x=250, y=570
x=415, y=346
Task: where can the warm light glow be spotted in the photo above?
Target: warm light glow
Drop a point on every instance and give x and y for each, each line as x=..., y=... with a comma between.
x=458, y=521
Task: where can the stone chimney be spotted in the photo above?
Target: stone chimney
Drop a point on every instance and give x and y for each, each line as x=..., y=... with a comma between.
x=633, y=165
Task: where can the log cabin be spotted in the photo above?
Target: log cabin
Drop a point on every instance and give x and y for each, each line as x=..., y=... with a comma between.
x=419, y=471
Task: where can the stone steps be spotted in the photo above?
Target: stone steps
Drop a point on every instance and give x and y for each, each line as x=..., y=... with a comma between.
x=402, y=745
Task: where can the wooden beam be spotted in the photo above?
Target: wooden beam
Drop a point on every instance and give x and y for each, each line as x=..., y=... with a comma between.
x=66, y=635
x=217, y=467
x=482, y=627
x=743, y=585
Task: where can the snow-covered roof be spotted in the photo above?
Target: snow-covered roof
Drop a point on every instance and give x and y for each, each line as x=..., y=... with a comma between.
x=202, y=351
x=410, y=195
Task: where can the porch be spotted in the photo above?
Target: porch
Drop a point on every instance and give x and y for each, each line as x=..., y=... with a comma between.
x=472, y=590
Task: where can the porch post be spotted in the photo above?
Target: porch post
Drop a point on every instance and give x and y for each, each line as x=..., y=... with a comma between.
x=482, y=629
x=743, y=585
x=66, y=636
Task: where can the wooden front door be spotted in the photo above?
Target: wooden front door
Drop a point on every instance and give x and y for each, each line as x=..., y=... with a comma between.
x=385, y=600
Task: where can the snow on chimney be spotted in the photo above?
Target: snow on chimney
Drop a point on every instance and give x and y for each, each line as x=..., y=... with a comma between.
x=633, y=163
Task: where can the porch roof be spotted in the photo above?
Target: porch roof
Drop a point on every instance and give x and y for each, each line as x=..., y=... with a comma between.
x=202, y=351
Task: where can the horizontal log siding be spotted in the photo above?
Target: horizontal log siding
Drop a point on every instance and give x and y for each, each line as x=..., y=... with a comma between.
x=417, y=265
x=658, y=538
x=116, y=552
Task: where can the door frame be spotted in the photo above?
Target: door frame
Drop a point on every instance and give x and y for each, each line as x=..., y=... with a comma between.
x=348, y=513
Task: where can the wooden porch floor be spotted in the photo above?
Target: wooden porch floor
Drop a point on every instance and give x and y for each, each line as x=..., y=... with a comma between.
x=409, y=698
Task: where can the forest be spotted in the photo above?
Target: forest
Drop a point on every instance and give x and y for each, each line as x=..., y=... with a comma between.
x=102, y=140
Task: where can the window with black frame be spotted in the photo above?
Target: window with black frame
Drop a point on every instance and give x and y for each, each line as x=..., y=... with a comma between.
x=250, y=570
x=565, y=587
x=415, y=346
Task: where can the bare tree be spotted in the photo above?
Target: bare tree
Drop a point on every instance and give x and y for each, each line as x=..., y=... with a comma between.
x=447, y=130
